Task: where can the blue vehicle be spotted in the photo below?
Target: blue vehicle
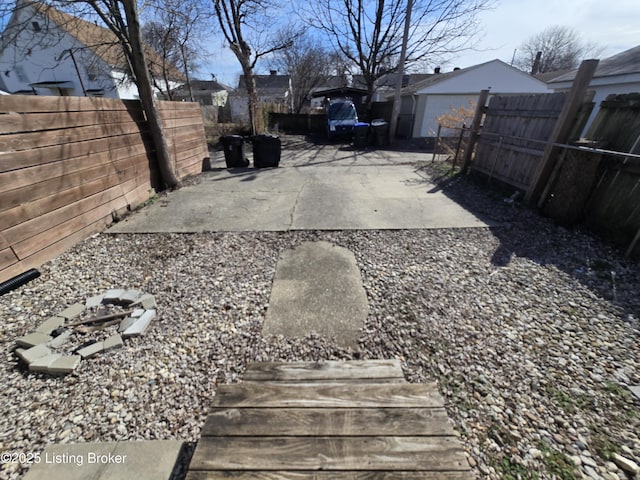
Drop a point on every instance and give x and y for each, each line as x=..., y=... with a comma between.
x=341, y=118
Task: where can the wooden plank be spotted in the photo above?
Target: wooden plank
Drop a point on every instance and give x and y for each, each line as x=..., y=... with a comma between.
x=54, y=249
x=37, y=174
x=7, y=258
x=329, y=453
x=47, y=138
x=335, y=370
x=329, y=395
x=41, y=206
x=56, y=217
x=86, y=150
x=561, y=131
x=335, y=475
x=15, y=122
x=32, y=245
x=28, y=104
x=3, y=241
x=116, y=170
x=327, y=421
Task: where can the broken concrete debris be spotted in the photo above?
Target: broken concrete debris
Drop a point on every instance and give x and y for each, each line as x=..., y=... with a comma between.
x=44, y=349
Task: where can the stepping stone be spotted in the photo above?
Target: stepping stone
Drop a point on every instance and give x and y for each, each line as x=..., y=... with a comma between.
x=147, y=301
x=317, y=288
x=42, y=363
x=112, y=343
x=60, y=340
x=50, y=325
x=140, y=326
x=94, y=301
x=91, y=350
x=32, y=354
x=130, y=296
x=32, y=339
x=126, y=323
x=113, y=296
x=141, y=460
x=72, y=311
x=65, y=364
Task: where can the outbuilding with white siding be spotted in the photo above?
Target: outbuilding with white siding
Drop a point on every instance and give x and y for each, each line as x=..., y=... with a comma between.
x=441, y=93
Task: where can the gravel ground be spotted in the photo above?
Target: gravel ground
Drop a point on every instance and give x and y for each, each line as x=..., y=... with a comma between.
x=530, y=329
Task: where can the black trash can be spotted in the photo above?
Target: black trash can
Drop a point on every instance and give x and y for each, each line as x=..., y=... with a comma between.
x=380, y=131
x=360, y=135
x=266, y=151
x=234, y=151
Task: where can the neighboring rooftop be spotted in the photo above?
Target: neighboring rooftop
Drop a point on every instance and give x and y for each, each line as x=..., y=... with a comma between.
x=102, y=41
x=623, y=63
x=272, y=83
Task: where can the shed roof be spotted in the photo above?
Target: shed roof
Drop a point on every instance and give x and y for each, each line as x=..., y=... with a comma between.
x=511, y=79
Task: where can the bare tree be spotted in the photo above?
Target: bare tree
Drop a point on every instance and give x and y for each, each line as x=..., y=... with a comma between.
x=305, y=61
x=176, y=32
x=247, y=26
x=561, y=49
x=122, y=19
x=369, y=32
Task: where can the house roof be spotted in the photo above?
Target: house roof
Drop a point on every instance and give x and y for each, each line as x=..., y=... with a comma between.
x=550, y=76
x=204, y=86
x=102, y=41
x=623, y=63
x=268, y=84
x=438, y=78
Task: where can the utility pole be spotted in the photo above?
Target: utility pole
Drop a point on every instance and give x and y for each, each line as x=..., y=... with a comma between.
x=395, y=110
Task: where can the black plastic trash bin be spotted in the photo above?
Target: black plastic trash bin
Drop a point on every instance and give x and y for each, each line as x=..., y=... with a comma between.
x=380, y=131
x=234, y=151
x=360, y=134
x=266, y=151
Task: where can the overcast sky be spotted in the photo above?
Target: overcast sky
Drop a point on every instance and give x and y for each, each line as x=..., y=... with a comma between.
x=613, y=25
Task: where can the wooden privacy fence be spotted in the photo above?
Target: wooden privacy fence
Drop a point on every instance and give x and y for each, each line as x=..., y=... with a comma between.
x=597, y=186
x=70, y=165
x=506, y=148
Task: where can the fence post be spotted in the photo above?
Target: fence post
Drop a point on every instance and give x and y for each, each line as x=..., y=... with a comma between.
x=562, y=129
x=475, y=126
x=435, y=146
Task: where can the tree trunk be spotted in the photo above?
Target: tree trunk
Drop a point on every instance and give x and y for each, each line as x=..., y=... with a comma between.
x=143, y=81
x=252, y=94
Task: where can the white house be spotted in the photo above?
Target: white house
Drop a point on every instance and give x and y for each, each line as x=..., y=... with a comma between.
x=618, y=74
x=440, y=93
x=44, y=51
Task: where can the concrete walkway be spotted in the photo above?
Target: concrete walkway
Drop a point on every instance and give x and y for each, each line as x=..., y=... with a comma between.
x=317, y=288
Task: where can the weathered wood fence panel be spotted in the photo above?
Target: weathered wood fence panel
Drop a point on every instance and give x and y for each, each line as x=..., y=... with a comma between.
x=507, y=149
x=68, y=165
x=614, y=206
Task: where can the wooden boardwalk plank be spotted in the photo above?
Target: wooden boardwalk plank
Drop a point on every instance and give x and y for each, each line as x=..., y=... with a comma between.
x=386, y=370
x=329, y=395
x=327, y=421
x=310, y=475
x=330, y=453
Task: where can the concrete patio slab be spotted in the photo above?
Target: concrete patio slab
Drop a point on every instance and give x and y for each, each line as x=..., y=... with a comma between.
x=317, y=288
x=316, y=197
x=142, y=460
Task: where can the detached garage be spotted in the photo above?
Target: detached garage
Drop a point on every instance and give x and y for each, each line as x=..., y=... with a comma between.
x=441, y=92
